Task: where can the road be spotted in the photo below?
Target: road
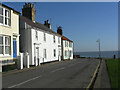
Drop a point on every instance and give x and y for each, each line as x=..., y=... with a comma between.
x=75, y=73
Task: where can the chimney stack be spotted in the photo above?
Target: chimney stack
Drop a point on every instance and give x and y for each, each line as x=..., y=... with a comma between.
x=47, y=24
x=28, y=11
x=60, y=30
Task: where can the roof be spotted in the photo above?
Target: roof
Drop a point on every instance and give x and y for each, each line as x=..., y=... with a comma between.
x=64, y=38
x=38, y=25
x=9, y=8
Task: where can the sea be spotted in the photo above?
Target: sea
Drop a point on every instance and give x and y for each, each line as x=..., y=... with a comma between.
x=104, y=54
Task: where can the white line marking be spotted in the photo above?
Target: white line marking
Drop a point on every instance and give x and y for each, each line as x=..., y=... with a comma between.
x=58, y=69
x=24, y=82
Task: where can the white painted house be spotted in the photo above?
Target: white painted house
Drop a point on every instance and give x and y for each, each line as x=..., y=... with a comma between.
x=41, y=43
x=67, y=45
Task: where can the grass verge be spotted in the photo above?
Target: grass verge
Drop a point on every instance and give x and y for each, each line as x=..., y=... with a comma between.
x=112, y=65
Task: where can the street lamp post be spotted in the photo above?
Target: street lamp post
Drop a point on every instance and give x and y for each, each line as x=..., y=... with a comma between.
x=99, y=47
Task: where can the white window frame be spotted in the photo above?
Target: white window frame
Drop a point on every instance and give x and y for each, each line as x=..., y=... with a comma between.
x=44, y=36
x=44, y=53
x=54, y=52
x=70, y=44
x=2, y=16
x=36, y=34
x=54, y=38
x=4, y=54
x=59, y=40
x=2, y=45
x=66, y=53
x=8, y=17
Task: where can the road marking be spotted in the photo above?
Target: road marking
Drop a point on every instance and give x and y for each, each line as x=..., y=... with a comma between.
x=25, y=82
x=93, y=77
x=58, y=69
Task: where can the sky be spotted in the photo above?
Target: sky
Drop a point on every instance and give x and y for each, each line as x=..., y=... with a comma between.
x=82, y=22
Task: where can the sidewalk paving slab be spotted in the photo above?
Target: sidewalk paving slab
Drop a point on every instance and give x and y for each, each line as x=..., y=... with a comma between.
x=102, y=80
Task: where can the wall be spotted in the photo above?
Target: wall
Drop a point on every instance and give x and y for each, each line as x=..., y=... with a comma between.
x=28, y=43
x=49, y=45
x=67, y=49
x=9, y=30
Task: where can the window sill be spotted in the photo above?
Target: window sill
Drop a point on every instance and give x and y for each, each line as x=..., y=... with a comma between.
x=5, y=56
x=5, y=25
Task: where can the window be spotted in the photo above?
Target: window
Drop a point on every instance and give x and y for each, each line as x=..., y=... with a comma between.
x=7, y=45
x=54, y=53
x=5, y=17
x=66, y=43
x=70, y=53
x=58, y=39
x=1, y=15
x=45, y=55
x=1, y=44
x=5, y=48
x=44, y=37
x=70, y=44
x=54, y=39
x=65, y=53
x=36, y=35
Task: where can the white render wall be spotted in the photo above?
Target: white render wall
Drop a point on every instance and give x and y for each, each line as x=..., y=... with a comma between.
x=67, y=49
x=49, y=45
x=30, y=43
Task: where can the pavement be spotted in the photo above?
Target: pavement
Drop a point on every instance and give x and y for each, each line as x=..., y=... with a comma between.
x=75, y=73
x=102, y=80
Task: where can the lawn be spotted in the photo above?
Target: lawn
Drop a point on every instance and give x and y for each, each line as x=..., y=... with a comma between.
x=112, y=65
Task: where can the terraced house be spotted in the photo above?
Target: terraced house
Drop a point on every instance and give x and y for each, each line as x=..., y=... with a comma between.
x=38, y=40
x=9, y=34
x=67, y=45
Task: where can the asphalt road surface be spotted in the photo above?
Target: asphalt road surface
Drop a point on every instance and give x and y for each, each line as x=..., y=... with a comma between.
x=75, y=73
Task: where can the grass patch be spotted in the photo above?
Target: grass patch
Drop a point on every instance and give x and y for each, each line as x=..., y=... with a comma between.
x=112, y=65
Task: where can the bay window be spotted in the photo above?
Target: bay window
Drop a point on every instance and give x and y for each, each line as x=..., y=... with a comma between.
x=5, y=45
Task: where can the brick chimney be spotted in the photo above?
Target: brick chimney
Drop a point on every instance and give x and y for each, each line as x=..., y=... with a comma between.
x=60, y=30
x=28, y=11
x=47, y=24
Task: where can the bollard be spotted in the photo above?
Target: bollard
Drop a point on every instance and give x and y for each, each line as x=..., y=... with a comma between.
x=27, y=59
x=21, y=60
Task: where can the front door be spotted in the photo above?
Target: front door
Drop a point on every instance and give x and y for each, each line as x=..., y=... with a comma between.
x=37, y=55
x=14, y=48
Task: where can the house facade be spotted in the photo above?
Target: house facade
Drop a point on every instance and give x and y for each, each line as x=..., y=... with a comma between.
x=67, y=45
x=38, y=40
x=9, y=34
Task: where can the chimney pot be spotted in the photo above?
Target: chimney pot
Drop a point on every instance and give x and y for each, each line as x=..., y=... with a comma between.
x=47, y=21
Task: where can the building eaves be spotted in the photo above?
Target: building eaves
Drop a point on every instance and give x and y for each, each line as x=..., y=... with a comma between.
x=65, y=38
x=10, y=8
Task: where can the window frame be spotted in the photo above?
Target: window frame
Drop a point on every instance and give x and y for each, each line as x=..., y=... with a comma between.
x=8, y=17
x=54, y=38
x=44, y=53
x=4, y=46
x=2, y=15
x=59, y=40
x=44, y=36
x=36, y=34
x=54, y=52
